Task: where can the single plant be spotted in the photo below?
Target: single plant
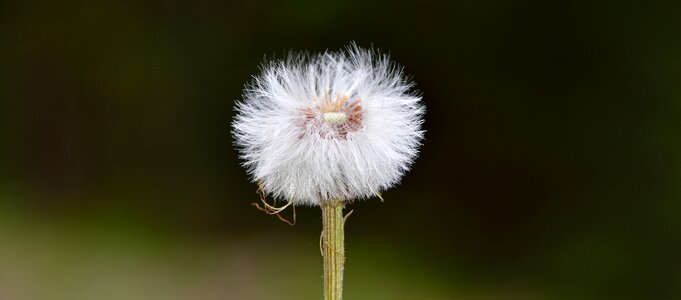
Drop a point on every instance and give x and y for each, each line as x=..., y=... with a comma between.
x=325, y=130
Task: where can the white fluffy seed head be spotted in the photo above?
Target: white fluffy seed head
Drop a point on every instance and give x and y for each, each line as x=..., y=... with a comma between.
x=336, y=125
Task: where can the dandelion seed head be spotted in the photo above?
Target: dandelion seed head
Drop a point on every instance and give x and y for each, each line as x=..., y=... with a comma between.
x=337, y=125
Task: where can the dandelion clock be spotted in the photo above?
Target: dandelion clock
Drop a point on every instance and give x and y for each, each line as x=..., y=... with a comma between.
x=325, y=130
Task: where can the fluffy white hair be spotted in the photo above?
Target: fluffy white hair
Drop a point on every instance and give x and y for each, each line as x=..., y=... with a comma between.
x=332, y=126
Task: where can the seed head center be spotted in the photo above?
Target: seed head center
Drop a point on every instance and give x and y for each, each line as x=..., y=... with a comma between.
x=335, y=117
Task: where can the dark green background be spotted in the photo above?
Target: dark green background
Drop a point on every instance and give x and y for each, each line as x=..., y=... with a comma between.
x=550, y=169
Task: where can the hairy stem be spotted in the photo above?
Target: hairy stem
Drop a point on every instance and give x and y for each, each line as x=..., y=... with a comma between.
x=333, y=249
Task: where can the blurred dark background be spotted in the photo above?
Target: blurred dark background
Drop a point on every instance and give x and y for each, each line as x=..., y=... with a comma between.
x=550, y=170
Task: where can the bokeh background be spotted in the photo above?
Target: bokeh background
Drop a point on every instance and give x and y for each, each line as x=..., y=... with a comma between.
x=550, y=170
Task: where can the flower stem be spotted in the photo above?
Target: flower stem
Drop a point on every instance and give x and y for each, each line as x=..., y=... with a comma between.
x=333, y=249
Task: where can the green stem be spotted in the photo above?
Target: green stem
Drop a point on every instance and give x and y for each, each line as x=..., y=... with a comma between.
x=333, y=249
